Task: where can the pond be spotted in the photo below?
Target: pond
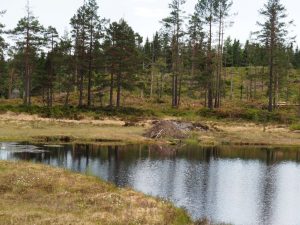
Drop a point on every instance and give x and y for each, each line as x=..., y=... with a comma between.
x=237, y=185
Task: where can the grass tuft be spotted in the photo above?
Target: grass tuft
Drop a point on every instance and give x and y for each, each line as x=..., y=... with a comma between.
x=37, y=194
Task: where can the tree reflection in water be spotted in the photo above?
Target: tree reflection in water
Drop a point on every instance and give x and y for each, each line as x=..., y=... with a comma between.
x=239, y=185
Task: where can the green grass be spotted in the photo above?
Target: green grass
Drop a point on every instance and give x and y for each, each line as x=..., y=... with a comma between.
x=136, y=108
x=251, y=115
x=76, y=113
x=295, y=127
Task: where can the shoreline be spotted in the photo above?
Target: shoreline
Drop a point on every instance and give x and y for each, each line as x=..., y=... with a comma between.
x=114, y=131
x=38, y=194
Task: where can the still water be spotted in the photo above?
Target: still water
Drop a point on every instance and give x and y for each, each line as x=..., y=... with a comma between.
x=242, y=186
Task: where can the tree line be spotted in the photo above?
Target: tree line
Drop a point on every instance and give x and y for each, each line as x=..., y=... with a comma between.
x=189, y=56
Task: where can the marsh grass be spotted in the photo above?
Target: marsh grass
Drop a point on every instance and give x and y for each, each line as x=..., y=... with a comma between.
x=16, y=129
x=36, y=194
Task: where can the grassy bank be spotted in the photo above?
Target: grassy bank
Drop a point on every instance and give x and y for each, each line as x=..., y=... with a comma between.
x=136, y=108
x=37, y=194
x=25, y=127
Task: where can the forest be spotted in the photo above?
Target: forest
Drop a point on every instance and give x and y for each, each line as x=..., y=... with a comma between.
x=189, y=61
x=102, y=125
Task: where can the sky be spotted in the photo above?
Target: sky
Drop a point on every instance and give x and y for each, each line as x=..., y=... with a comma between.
x=142, y=15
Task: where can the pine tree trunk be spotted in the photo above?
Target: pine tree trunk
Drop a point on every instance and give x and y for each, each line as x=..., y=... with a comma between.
x=161, y=86
x=173, y=90
x=90, y=68
x=218, y=75
x=209, y=68
x=90, y=85
x=119, y=90
x=26, y=77
x=151, y=85
x=67, y=98
x=10, y=84
x=179, y=91
x=81, y=89
x=271, y=68
x=111, y=92
x=231, y=84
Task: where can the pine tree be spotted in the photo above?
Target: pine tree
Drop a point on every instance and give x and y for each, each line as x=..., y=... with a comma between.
x=94, y=27
x=81, y=40
x=122, y=56
x=147, y=63
x=87, y=32
x=222, y=12
x=52, y=40
x=151, y=53
x=273, y=33
x=29, y=36
x=64, y=66
x=3, y=45
x=206, y=9
x=196, y=38
x=155, y=65
x=174, y=24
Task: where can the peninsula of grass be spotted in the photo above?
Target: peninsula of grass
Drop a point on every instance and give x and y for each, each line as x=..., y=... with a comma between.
x=37, y=194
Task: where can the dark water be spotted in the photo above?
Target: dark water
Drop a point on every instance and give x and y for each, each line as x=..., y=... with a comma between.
x=234, y=185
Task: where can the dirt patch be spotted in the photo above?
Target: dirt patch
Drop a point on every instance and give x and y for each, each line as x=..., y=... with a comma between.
x=166, y=129
x=174, y=129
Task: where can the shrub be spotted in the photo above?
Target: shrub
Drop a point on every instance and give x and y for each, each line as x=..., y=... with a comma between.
x=295, y=127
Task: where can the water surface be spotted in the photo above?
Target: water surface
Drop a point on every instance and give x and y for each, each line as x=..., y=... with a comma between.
x=242, y=186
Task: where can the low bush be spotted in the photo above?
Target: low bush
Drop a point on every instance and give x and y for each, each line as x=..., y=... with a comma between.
x=295, y=127
x=249, y=114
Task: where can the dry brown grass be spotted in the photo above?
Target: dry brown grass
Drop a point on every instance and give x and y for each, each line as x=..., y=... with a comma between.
x=37, y=194
x=250, y=134
x=24, y=127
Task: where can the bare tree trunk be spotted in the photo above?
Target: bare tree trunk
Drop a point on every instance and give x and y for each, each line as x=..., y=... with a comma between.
x=262, y=79
x=111, y=92
x=26, y=77
x=67, y=97
x=179, y=90
x=152, y=71
x=90, y=67
x=255, y=84
x=271, y=68
x=151, y=84
x=29, y=86
x=80, y=104
x=209, y=67
x=173, y=90
x=10, y=84
x=287, y=86
x=276, y=91
x=231, y=84
x=218, y=82
x=161, y=86
x=119, y=90
x=242, y=88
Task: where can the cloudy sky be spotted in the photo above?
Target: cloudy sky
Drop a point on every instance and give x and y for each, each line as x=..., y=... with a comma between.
x=142, y=15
